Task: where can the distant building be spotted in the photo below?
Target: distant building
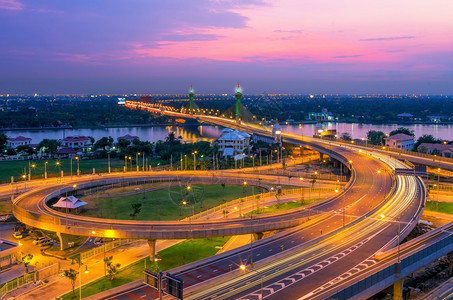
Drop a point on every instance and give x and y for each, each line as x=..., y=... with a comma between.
x=400, y=141
x=13, y=143
x=76, y=142
x=405, y=117
x=233, y=142
x=320, y=116
x=438, y=149
x=436, y=119
x=128, y=137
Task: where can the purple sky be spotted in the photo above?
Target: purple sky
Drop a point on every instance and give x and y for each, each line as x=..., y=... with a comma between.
x=285, y=46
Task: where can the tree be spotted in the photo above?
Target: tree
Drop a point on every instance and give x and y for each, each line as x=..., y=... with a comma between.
x=3, y=140
x=277, y=195
x=49, y=146
x=402, y=130
x=112, y=269
x=25, y=148
x=346, y=136
x=103, y=143
x=375, y=137
x=136, y=209
x=71, y=274
x=427, y=138
x=123, y=144
x=27, y=260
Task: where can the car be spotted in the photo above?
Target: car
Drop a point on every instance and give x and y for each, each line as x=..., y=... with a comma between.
x=40, y=240
x=18, y=235
x=46, y=242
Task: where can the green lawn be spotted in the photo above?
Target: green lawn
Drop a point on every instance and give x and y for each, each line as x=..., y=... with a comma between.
x=282, y=207
x=20, y=167
x=164, y=204
x=445, y=207
x=6, y=207
x=174, y=256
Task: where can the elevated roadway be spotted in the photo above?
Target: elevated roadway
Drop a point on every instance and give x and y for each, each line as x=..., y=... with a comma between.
x=318, y=247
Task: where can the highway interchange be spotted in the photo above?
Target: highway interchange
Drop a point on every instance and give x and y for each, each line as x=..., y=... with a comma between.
x=307, y=262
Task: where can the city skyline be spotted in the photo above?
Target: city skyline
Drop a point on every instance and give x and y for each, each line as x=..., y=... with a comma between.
x=352, y=47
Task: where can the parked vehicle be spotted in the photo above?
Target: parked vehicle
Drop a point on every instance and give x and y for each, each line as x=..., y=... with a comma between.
x=41, y=240
x=18, y=235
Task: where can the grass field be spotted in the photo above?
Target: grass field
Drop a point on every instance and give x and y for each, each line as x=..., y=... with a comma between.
x=444, y=207
x=174, y=256
x=18, y=168
x=166, y=203
x=282, y=207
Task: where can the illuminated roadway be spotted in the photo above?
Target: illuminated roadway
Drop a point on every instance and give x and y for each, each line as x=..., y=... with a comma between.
x=304, y=261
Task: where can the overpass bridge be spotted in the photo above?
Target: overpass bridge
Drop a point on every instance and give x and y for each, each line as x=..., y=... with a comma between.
x=363, y=234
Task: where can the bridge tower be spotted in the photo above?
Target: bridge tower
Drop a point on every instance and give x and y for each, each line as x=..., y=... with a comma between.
x=238, y=97
x=191, y=100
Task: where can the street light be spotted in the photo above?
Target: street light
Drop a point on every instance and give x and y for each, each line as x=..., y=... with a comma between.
x=194, y=160
x=136, y=160
x=103, y=242
x=80, y=280
x=78, y=166
x=244, y=268
x=45, y=169
x=29, y=169
x=59, y=168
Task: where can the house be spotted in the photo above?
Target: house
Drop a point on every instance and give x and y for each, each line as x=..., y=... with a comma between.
x=128, y=137
x=400, y=141
x=13, y=143
x=233, y=142
x=67, y=152
x=8, y=251
x=76, y=142
x=405, y=117
x=444, y=150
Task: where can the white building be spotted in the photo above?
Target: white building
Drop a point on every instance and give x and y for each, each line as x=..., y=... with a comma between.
x=76, y=142
x=233, y=142
x=13, y=143
x=400, y=141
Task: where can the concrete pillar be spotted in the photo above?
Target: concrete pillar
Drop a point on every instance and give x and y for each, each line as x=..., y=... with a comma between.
x=63, y=240
x=257, y=236
x=321, y=156
x=398, y=290
x=152, y=249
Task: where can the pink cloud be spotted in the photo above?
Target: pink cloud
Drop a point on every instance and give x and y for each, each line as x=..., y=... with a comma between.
x=11, y=5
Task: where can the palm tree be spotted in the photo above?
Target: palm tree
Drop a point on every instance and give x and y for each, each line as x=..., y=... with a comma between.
x=277, y=195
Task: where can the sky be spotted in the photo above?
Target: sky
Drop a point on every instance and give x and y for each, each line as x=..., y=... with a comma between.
x=279, y=46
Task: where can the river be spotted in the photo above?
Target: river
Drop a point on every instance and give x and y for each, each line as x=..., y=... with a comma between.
x=209, y=133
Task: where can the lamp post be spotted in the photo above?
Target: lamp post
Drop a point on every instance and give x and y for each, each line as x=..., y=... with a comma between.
x=399, y=237
x=125, y=163
x=185, y=162
x=242, y=267
x=103, y=242
x=30, y=166
x=136, y=160
x=194, y=153
x=25, y=182
x=80, y=280
x=108, y=161
x=78, y=165
x=130, y=159
x=438, y=185
x=45, y=169
x=59, y=168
